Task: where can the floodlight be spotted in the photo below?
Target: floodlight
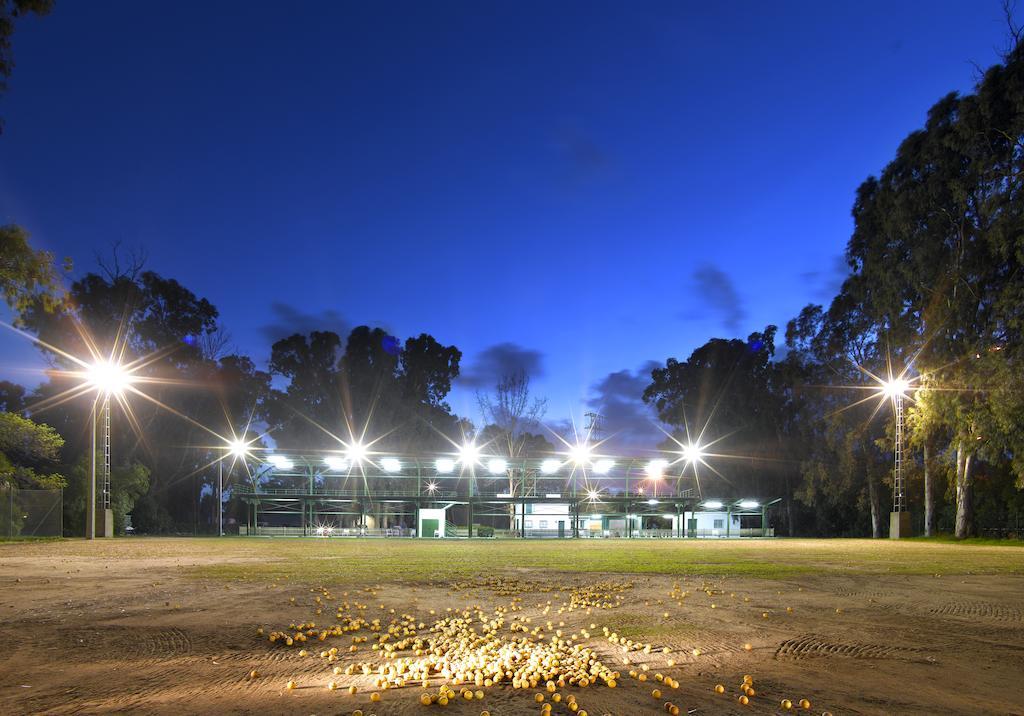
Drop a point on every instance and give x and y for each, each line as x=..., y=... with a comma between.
x=895, y=387
x=469, y=454
x=603, y=467
x=692, y=453
x=749, y=504
x=336, y=462
x=280, y=462
x=108, y=377
x=713, y=504
x=391, y=464
x=655, y=468
x=580, y=453
x=652, y=502
x=356, y=453
x=431, y=487
x=238, y=448
x=497, y=465
x=593, y=494
x=550, y=466
x=444, y=465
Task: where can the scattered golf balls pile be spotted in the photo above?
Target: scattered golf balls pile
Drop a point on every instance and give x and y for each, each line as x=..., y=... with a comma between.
x=472, y=649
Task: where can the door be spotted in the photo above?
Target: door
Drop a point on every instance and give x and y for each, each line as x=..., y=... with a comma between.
x=561, y=529
x=691, y=526
x=429, y=528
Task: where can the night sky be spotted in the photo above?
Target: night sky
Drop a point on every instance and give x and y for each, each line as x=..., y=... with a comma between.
x=574, y=189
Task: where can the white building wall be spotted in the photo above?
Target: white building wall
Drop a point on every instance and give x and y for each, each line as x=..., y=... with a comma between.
x=713, y=524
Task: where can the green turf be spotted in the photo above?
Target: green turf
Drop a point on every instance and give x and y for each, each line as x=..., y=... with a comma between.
x=773, y=559
x=420, y=560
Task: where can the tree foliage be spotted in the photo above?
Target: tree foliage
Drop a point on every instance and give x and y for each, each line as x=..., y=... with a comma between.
x=26, y=448
x=27, y=276
x=10, y=12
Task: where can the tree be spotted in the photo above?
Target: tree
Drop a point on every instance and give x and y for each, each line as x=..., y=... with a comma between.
x=25, y=448
x=12, y=397
x=310, y=408
x=193, y=399
x=510, y=413
x=842, y=461
x=936, y=258
x=729, y=393
x=11, y=10
x=129, y=481
x=370, y=392
x=27, y=276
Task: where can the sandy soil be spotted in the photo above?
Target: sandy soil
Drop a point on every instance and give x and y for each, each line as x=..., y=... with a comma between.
x=87, y=634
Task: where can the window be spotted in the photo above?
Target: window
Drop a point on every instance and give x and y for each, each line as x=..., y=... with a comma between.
x=543, y=524
x=719, y=524
x=529, y=524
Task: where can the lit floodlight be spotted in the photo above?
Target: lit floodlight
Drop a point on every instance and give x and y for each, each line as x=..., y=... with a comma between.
x=550, y=466
x=356, y=453
x=580, y=454
x=895, y=387
x=656, y=468
x=652, y=502
x=469, y=454
x=692, y=453
x=496, y=466
x=280, y=462
x=108, y=377
x=336, y=463
x=238, y=448
x=444, y=465
x=749, y=504
x=431, y=487
x=593, y=495
x=594, y=517
x=391, y=464
x=713, y=505
x=603, y=467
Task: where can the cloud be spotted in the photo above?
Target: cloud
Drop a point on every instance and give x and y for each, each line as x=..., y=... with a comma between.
x=500, y=360
x=626, y=420
x=717, y=292
x=289, y=320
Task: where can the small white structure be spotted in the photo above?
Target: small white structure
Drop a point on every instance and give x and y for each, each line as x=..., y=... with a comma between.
x=711, y=524
x=544, y=519
x=432, y=522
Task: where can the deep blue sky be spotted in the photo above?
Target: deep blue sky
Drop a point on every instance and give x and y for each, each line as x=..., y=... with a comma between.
x=596, y=185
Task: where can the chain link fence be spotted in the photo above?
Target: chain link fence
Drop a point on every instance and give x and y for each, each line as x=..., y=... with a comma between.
x=31, y=513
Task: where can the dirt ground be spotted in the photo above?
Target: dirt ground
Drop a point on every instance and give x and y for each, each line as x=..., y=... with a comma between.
x=90, y=632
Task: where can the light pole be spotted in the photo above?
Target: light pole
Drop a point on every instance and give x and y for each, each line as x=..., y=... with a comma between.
x=107, y=377
x=237, y=449
x=899, y=519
